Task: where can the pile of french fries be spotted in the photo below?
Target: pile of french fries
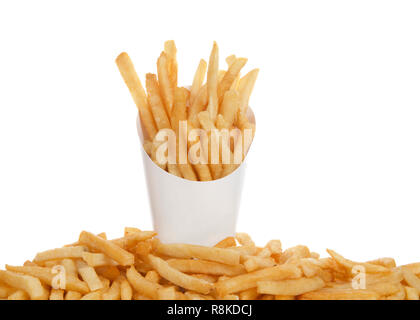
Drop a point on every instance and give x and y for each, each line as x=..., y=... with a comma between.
x=219, y=104
x=139, y=267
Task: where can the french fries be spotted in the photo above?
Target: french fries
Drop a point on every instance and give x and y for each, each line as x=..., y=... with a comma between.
x=138, y=266
x=290, y=287
x=230, y=76
x=226, y=256
x=89, y=275
x=31, y=285
x=131, y=79
x=107, y=247
x=156, y=104
x=46, y=276
x=165, y=85
x=212, y=82
x=207, y=267
x=141, y=285
x=178, y=278
x=224, y=96
x=198, y=80
x=60, y=253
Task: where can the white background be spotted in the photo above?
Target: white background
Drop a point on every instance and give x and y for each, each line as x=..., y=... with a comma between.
x=338, y=97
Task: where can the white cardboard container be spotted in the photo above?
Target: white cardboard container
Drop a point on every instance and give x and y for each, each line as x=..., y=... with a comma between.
x=193, y=212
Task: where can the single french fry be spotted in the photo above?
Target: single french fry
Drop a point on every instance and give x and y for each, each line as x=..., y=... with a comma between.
x=60, y=253
x=29, y=284
x=126, y=290
x=186, y=251
x=170, y=50
x=165, y=85
x=290, y=287
x=141, y=285
x=212, y=82
x=89, y=275
x=250, y=280
x=179, y=113
x=226, y=243
x=73, y=295
x=246, y=85
x=18, y=295
x=107, y=247
x=136, y=89
x=156, y=103
x=215, y=165
x=198, y=80
x=56, y=294
x=46, y=276
x=230, y=60
x=229, y=107
x=181, y=279
x=230, y=77
x=207, y=267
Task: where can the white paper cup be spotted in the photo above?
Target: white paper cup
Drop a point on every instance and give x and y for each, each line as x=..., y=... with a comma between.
x=193, y=212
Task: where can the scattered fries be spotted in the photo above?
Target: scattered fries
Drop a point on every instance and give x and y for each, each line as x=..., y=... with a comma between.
x=138, y=266
x=224, y=98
